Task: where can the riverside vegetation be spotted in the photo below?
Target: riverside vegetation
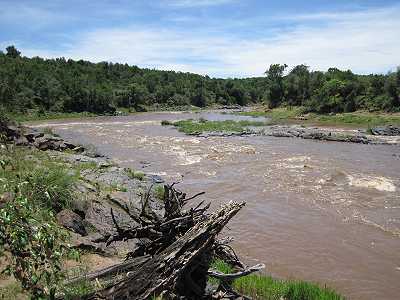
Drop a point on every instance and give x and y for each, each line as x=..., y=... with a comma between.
x=47, y=88
x=38, y=186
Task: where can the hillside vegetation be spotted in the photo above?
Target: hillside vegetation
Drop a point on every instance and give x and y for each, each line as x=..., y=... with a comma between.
x=63, y=86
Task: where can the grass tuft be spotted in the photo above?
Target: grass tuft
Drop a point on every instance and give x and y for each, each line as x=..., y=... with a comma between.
x=260, y=286
x=47, y=183
x=159, y=191
x=77, y=290
x=135, y=174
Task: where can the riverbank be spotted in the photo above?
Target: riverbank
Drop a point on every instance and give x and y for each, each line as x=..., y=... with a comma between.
x=205, y=128
x=82, y=189
x=304, y=198
x=297, y=115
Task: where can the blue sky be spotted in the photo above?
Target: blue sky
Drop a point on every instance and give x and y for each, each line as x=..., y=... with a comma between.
x=222, y=38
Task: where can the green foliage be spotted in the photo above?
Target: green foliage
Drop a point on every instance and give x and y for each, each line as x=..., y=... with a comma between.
x=265, y=287
x=159, y=192
x=49, y=130
x=291, y=114
x=12, y=52
x=50, y=188
x=196, y=127
x=28, y=230
x=36, y=243
x=48, y=184
x=33, y=88
x=77, y=290
x=135, y=174
x=276, y=91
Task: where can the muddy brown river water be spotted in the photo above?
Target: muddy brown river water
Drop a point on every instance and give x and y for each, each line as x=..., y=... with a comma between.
x=321, y=211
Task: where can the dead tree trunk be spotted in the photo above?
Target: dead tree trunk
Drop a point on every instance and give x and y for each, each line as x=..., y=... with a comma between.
x=178, y=268
x=175, y=259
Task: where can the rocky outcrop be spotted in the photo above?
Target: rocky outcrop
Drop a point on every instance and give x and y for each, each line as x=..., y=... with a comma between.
x=386, y=130
x=384, y=135
x=325, y=134
x=25, y=136
x=72, y=221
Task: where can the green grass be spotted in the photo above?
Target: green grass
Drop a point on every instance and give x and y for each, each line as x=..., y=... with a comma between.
x=265, y=287
x=135, y=174
x=36, y=116
x=46, y=181
x=355, y=119
x=13, y=291
x=50, y=187
x=77, y=290
x=159, y=191
x=196, y=127
x=49, y=130
x=90, y=165
x=364, y=119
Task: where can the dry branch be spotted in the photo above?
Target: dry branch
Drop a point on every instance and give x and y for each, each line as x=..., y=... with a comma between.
x=174, y=256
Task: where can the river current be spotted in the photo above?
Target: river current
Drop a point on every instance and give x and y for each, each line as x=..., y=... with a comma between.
x=327, y=212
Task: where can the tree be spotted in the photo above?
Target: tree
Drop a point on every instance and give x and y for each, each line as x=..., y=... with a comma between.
x=275, y=84
x=137, y=96
x=12, y=52
x=297, y=85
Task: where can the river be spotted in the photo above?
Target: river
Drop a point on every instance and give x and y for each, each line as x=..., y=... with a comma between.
x=327, y=212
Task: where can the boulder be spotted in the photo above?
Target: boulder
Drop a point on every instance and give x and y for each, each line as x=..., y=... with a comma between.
x=33, y=135
x=386, y=130
x=21, y=141
x=72, y=221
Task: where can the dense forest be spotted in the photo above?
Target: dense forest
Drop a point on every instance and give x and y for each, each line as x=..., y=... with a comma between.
x=65, y=85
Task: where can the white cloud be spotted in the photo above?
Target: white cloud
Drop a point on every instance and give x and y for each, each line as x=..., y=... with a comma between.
x=367, y=41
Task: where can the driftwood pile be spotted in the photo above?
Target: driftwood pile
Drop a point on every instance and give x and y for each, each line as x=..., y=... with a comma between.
x=174, y=256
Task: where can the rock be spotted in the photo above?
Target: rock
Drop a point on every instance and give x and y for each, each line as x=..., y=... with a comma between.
x=69, y=145
x=48, y=142
x=78, y=149
x=99, y=217
x=71, y=221
x=5, y=198
x=32, y=135
x=86, y=243
x=156, y=179
x=21, y=141
x=386, y=130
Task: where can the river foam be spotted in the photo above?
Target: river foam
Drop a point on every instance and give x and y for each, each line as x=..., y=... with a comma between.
x=382, y=184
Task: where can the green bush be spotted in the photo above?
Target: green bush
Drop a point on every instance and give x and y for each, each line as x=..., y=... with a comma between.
x=135, y=174
x=159, y=192
x=49, y=187
x=36, y=244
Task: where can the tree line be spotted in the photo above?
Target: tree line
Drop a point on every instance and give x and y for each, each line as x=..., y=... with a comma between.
x=66, y=85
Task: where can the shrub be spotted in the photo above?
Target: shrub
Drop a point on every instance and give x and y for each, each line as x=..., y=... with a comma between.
x=36, y=243
x=135, y=174
x=50, y=188
x=159, y=192
x=166, y=123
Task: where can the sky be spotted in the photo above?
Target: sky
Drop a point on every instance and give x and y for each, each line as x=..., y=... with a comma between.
x=219, y=38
